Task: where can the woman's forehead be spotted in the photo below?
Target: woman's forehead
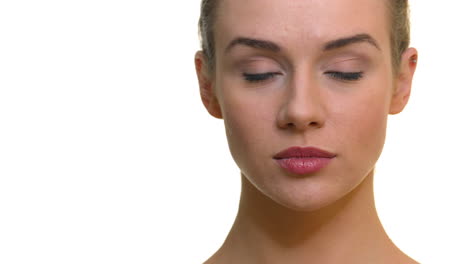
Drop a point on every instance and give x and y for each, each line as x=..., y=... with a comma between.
x=301, y=21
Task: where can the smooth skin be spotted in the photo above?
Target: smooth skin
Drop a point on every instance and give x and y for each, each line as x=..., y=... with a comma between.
x=328, y=216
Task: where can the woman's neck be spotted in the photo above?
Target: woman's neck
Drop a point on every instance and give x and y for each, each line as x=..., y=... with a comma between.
x=347, y=231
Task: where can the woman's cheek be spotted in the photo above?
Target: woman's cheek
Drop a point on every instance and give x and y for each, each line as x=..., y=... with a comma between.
x=368, y=126
x=243, y=124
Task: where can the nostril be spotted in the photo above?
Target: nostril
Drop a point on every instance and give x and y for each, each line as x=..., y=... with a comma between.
x=311, y=124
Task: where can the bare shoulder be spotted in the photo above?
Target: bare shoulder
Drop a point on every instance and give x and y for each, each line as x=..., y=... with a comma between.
x=409, y=261
x=217, y=258
x=404, y=259
x=412, y=261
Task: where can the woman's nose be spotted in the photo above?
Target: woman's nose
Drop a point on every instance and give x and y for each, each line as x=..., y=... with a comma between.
x=303, y=105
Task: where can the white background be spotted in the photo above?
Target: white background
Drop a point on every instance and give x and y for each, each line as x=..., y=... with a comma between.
x=107, y=154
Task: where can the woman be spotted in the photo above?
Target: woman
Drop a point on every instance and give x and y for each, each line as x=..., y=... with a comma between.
x=305, y=88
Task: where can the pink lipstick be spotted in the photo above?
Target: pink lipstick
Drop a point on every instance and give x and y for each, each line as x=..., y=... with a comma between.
x=301, y=161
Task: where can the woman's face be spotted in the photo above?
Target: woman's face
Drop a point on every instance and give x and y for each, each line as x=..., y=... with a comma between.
x=304, y=73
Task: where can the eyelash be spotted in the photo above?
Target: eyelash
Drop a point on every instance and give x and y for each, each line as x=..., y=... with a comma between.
x=250, y=77
x=345, y=76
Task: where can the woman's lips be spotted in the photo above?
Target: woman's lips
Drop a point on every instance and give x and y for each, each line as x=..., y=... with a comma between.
x=301, y=161
x=303, y=165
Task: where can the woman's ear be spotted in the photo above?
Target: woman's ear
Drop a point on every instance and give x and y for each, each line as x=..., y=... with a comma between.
x=206, y=84
x=403, y=81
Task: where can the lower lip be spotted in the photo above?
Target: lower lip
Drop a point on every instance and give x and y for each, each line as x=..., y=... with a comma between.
x=303, y=165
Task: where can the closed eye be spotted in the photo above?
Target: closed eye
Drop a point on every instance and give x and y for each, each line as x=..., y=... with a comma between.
x=259, y=77
x=345, y=76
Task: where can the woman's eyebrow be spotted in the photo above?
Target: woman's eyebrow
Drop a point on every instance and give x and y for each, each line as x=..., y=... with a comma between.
x=253, y=43
x=330, y=45
x=342, y=42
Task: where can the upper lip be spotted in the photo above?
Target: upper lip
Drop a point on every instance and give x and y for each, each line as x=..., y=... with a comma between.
x=303, y=152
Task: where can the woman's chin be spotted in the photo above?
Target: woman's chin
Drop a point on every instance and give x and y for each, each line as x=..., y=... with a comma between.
x=306, y=202
x=306, y=194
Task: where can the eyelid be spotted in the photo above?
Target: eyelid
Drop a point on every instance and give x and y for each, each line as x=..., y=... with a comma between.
x=256, y=63
x=346, y=61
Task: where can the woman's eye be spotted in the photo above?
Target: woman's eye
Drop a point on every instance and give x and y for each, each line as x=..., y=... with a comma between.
x=346, y=76
x=259, y=77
